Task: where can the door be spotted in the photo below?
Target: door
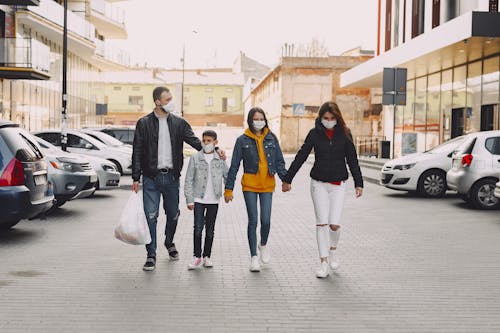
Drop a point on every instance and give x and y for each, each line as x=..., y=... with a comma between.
x=457, y=122
x=436, y=12
x=493, y=146
x=493, y=6
x=388, y=24
x=487, y=115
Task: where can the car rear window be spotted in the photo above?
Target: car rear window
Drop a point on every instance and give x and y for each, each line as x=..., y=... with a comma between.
x=466, y=146
x=22, y=145
x=5, y=155
x=493, y=145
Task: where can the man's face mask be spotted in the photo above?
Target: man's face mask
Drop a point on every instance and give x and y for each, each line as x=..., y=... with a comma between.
x=169, y=107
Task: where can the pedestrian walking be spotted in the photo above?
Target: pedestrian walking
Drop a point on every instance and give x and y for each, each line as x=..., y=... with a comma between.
x=158, y=157
x=205, y=177
x=262, y=158
x=333, y=146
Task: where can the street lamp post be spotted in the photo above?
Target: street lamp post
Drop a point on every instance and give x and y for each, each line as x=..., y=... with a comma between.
x=64, y=134
x=183, y=73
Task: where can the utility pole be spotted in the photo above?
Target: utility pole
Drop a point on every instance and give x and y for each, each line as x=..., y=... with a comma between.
x=64, y=134
x=182, y=84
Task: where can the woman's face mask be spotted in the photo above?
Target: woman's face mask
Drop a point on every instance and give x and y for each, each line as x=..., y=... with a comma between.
x=329, y=124
x=259, y=124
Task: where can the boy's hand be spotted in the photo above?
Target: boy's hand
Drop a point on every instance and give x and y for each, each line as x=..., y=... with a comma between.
x=228, y=198
x=190, y=206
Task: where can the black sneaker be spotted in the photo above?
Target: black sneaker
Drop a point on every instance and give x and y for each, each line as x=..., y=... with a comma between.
x=150, y=264
x=172, y=252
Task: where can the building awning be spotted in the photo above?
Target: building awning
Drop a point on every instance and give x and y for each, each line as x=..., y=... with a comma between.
x=16, y=73
x=466, y=38
x=20, y=2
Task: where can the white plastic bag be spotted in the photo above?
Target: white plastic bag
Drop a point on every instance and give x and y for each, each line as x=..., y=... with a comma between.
x=133, y=228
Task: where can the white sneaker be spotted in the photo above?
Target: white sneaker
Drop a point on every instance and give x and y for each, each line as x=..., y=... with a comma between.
x=207, y=262
x=265, y=256
x=196, y=263
x=254, y=264
x=334, y=264
x=322, y=272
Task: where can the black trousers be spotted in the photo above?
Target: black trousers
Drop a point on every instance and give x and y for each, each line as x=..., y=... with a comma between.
x=204, y=216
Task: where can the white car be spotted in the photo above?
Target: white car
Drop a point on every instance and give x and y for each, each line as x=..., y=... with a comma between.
x=107, y=176
x=424, y=172
x=497, y=189
x=81, y=143
x=108, y=140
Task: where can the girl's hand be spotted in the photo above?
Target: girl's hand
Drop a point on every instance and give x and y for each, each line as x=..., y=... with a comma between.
x=190, y=206
x=359, y=192
x=285, y=187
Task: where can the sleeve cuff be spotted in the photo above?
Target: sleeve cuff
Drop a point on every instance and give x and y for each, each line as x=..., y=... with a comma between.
x=228, y=193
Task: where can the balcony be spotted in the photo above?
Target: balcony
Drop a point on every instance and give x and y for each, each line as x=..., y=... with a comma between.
x=20, y=2
x=24, y=59
x=108, y=19
x=109, y=58
x=48, y=19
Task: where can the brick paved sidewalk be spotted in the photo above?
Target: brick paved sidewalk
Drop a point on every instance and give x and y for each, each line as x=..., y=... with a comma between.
x=408, y=265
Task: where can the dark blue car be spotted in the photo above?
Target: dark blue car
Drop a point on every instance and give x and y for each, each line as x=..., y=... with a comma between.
x=24, y=188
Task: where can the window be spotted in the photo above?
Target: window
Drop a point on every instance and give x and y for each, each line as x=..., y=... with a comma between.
x=436, y=13
x=224, y=104
x=417, y=18
x=388, y=24
x=136, y=88
x=231, y=102
x=209, y=90
x=229, y=90
x=209, y=101
x=117, y=88
x=493, y=145
x=53, y=138
x=78, y=142
x=186, y=101
x=135, y=100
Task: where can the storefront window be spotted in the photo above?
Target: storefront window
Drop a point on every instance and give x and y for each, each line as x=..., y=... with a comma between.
x=459, y=101
x=490, y=113
x=409, y=111
x=420, y=111
x=473, y=110
x=433, y=106
x=446, y=103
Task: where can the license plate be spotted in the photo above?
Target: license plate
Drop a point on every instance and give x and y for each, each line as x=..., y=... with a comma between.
x=93, y=178
x=40, y=180
x=456, y=163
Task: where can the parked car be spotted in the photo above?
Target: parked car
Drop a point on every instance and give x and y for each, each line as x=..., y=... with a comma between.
x=81, y=143
x=497, y=190
x=24, y=186
x=108, y=140
x=424, y=172
x=124, y=134
x=107, y=176
x=475, y=170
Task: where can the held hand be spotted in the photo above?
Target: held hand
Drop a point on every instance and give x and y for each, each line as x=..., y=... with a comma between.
x=359, y=192
x=285, y=187
x=228, y=198
x=135, y=187
x=190, y=206
x=222, y=154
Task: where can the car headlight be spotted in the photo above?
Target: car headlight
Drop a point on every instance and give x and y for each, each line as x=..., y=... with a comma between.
x=66, y=166
x=404, y=166
x=108, y=167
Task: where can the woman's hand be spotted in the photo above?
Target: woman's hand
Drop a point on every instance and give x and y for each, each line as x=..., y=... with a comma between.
x=228, y=198
x=285, y=187
x=359, y=192
x=190, y=206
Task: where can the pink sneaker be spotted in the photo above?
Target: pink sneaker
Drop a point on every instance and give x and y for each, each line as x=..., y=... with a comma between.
x=196, y=263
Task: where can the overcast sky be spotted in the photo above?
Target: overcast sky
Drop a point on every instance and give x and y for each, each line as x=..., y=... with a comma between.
x=157, y=29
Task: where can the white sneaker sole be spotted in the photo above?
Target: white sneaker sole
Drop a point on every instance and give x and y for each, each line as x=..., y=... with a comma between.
x=335, y=266
x=321, y=275
x=148, y=269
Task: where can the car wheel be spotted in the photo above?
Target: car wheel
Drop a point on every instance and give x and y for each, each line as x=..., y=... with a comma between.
x=7, y=225
x=432, y=184
x=118, y=166
x=482, y=195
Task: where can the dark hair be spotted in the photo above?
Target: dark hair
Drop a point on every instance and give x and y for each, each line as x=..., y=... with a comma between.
x=158, y=91
x=210, y=133
x=333, y=108
x=251, y=113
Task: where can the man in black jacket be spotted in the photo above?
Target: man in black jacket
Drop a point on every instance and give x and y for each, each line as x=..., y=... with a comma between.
x=158, y=157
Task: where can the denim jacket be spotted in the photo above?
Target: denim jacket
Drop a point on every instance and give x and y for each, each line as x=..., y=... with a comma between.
x=197, y=176
x=245, y=149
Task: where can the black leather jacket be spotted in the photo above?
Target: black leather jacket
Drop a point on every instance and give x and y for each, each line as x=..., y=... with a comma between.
x=145, y=153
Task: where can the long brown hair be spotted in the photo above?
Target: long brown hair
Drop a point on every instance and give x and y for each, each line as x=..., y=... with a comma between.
x=251, y=113
x=333, y=108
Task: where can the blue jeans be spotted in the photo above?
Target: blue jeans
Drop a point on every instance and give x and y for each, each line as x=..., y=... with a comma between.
x=204, y=216
x=164, y=185
x=266, y=201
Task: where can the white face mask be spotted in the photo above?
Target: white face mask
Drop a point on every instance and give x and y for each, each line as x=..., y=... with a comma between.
x=259, y=124
x=329, y=124
x=169, y=107
x=208, y=148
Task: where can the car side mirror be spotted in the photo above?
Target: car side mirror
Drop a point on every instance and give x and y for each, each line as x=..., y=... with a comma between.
x=451, y=154
x=88, y=146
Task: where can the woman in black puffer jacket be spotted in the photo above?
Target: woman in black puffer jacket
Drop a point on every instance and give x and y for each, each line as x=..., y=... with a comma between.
x=333, y=147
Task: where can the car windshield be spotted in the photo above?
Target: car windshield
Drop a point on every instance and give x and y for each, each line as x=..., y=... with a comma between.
x=447, y=147
x=105, y=138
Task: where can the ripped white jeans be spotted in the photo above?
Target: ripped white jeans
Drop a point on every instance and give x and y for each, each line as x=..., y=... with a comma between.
x=328, y=201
